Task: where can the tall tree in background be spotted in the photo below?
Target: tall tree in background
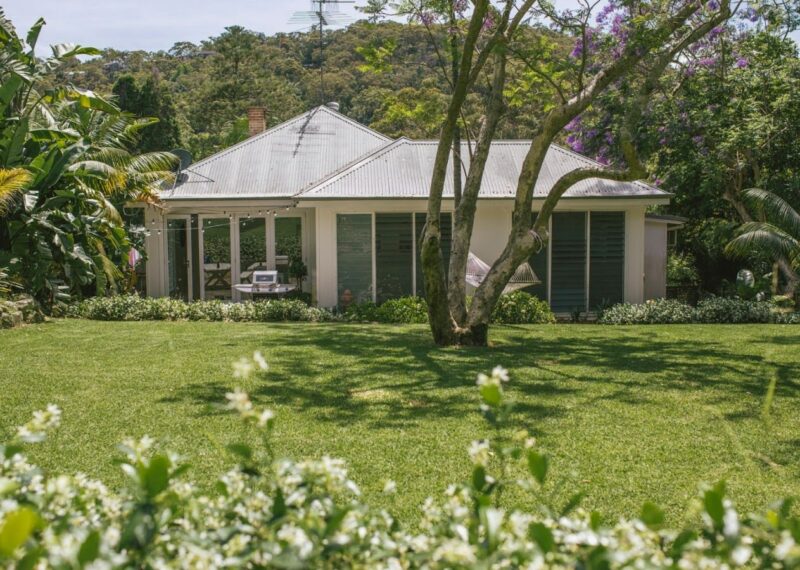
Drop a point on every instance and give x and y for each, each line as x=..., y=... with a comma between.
x=150, y=99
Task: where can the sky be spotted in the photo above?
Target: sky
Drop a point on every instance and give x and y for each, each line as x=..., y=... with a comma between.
x=151, y=24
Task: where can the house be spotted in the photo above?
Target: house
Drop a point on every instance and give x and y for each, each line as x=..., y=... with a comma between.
x=352, y=203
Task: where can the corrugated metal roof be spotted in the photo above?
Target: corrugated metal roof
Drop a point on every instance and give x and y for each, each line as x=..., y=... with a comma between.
x=403, y=169
x=281, y=161
x=323, y=154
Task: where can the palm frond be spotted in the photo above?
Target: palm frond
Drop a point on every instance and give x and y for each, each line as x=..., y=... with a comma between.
x=154, y=162
x=763, y=236
x=11, y=182
x=778, y=210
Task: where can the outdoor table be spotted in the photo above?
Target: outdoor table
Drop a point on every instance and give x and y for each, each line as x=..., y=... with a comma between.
x=268, y=289
x=216, y=274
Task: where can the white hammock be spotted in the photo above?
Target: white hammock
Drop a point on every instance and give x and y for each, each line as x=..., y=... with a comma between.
x=477, y=270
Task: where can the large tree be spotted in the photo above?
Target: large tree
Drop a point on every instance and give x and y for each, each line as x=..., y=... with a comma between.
x=622, y=46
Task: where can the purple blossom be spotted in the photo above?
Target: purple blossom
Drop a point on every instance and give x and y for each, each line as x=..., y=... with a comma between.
x=488, y=22
x=713, y=5
x=708, y=61
x=663, y=141
x=609, y=137
x=697, y=139
x=574, y=124
x=578, y=146
x=750, y=14
x=460, y=6
x=690, y=71
x=605, y=12
x=427, y=18
x=742, y=62
x=658, y=182
x=591, y=133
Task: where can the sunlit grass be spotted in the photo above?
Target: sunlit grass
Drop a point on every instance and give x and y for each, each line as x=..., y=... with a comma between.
x=627, y=413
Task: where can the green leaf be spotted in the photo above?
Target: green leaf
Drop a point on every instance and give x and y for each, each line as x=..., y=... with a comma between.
x=595, y=520
x=712, y=501
x=537, y=465
x=157, y=475
x=90, y=548
x=16, y=529
x=491, y=394
x=651, y=515
x=543, y=536
x=681, y=541
x=242, y=450
x=478, y=478
x=7, y=486
x=572, y=503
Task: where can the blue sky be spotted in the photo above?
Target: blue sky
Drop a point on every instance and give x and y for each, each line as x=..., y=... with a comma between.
x=149, y=24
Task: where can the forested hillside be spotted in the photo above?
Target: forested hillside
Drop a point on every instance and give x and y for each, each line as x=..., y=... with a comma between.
x=384, y=75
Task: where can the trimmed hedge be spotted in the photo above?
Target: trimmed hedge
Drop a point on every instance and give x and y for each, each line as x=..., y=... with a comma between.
x=713, y=310
x=516, y=308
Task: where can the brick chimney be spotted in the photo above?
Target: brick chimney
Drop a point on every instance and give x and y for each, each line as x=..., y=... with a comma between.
x=257, y=120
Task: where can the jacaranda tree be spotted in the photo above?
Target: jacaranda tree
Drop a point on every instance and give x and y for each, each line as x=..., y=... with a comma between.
x=624, y=46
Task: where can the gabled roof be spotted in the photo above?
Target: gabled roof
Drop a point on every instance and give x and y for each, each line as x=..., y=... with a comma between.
x=322, y=155
x=280, y=162
x=403, y=169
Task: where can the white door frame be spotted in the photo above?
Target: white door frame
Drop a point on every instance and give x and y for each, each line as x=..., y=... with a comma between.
x=189, y=268
x=201, y=245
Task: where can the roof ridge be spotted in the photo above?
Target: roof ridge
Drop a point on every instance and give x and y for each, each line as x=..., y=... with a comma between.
x=280, y=126
x=353, y=122
x=252, y=139
x=355, y=165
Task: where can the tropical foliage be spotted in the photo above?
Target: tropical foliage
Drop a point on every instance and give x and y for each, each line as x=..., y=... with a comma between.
x=65, y=169
x=778, y=235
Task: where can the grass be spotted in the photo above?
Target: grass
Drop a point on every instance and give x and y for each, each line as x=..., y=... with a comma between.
x=626, y=413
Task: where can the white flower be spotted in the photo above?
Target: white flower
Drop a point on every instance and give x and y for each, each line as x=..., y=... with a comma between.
x=390, y=487
x=239, y=401
x=296, y=538
x=479, y=452
x=500, y=373
x=258, y=358
x=242, y=368
x=264, y=417
x=455, y=552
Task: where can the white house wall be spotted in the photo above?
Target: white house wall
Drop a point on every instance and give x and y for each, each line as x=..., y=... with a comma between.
x=490, y=233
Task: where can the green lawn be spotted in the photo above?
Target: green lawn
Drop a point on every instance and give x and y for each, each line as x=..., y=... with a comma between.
x=627, y=413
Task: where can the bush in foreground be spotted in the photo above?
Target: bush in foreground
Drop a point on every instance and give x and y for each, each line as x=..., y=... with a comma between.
x=277, y=513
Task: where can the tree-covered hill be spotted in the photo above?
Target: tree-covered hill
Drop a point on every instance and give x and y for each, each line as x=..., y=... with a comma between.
x=385, y=75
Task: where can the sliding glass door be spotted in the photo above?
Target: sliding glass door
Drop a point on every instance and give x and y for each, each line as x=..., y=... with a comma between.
x=179, y=264
x=217, y=269
x=252, y=247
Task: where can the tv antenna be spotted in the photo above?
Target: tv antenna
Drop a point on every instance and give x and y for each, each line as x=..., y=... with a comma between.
x=323, y=13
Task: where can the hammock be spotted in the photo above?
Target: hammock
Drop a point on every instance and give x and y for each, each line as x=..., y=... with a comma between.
x=477, y=270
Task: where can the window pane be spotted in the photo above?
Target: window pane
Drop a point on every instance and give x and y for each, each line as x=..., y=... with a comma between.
x=568, y=281
x=354, y=258
x=177, y=259
x=446, y=229
x=606, y=258
x=252, y=247
x=217, y=258
x=538, y=263
x=393, y=256
x=288, y=245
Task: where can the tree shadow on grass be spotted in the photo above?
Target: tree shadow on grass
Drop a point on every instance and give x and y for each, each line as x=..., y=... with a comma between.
x=388, y=377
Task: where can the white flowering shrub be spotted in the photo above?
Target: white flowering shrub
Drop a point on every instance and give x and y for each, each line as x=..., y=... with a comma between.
x=135, y=308
x=277, y=513
x=712, y=310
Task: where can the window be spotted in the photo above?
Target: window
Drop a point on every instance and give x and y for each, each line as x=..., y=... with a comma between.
x=568, y=279
x=252, y=247
x=288, y=246
x=354, y=258
x=538, y=263
x=446, y=229
x=606, y=258
x=216, y=266
x=394, y=250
